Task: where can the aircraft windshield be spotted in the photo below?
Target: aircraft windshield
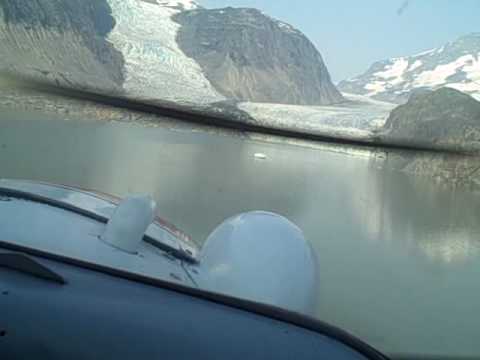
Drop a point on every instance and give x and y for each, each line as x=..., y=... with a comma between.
x=357, y=120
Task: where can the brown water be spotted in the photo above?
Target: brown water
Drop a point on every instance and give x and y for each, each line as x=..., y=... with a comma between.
x=399, y=253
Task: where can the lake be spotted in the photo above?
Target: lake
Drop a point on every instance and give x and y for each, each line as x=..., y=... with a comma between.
x=399, y=251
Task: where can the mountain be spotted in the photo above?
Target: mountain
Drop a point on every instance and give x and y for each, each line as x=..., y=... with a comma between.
x=455, y=65
x=248, y=56
x=172, y=51
x=444, y=118
x=61, y=41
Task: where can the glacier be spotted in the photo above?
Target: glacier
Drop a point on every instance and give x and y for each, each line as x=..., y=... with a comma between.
x=358, y=118
x=155, y=66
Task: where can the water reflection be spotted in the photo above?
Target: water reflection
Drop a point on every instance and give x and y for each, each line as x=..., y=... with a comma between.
x=459, y=247
x=398, y=248
x=440, y=198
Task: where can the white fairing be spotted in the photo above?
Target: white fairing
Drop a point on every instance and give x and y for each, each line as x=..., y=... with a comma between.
x=257, y=256
x=262, y=257
x=127, y=226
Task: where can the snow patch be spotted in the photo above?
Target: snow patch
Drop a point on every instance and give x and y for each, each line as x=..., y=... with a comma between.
x=391, y=75
x=375, y=87
x=286, y=27
x=180, y=4
x=423, y=53
x=448, y=65
x=439, y=75
x=473, y=69
x=466, y=87
x=395, y=70
x=415, y=65
x=362, y=99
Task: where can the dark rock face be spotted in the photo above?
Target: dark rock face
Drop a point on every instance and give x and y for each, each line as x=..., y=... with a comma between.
x=445, y=117
x=248, y=56
x=91, y=16
x=61, y=40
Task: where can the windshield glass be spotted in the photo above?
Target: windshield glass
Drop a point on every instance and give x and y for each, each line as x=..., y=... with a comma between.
x=358, y=121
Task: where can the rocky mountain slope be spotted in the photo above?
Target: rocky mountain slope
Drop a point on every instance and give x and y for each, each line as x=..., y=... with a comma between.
x=445, y=118
x=62, y=41
x=455, y=65
x=249, y=56
x=157, y=50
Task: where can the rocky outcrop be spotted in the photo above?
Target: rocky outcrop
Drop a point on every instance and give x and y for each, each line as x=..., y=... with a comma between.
x=249, y=56
x=445, y=118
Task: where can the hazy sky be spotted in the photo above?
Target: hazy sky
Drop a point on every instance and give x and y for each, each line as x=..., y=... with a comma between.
x=351, y=34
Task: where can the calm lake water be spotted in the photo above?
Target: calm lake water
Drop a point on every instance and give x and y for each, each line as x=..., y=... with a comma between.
x=399, y=253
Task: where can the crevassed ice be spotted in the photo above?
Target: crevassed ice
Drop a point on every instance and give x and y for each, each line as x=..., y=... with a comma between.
x=156, y=68
x=356, y=121
x=185, y=4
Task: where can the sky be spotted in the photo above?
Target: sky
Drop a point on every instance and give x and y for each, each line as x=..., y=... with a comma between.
x=352, y=34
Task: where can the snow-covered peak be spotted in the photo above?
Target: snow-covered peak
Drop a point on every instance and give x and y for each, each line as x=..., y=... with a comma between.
x=179, y=4
x=455, y=64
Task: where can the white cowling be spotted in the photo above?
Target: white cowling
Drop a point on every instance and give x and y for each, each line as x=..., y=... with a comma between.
x=127, y=226
x=263, y=257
